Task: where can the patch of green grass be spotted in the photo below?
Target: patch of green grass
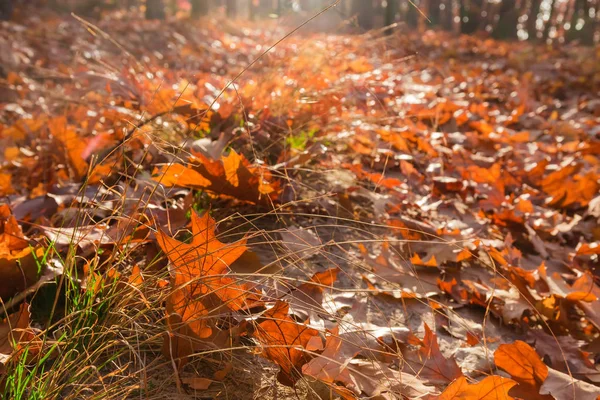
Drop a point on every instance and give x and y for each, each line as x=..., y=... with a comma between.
x=300, y=140
x=80, y=340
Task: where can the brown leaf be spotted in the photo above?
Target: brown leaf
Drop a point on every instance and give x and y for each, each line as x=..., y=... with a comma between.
x=197, y=383
x=373, y=379
x=564, y=387
x=431, y=363
x=16, y=335
x=331, y=364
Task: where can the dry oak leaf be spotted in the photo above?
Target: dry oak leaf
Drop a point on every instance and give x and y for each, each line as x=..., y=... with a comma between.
x=199, y=269
x=491, y=388
x=558, y=287
x=306, y=301
x=566, y=187
x=564, y=387
x=284, y=342
x=6, y=186
x=585, y=284
x=429, y=362
x=398, y=277
x=332, y=363
x=524, y=365
x=16, y=335
x=231, y=176
x=18, y=266
x=197, y=382
x=588, y=249
x=376, y=379
x=73, y=145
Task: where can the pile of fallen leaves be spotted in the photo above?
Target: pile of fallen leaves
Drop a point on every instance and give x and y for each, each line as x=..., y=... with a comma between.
x=403, y=216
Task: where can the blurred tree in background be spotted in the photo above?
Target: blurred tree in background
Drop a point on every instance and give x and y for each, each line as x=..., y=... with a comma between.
x=537, y=20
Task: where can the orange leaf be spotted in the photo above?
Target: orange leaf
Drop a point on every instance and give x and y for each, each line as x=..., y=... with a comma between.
x=525, y=366
x=284, y=341
x=6, y=186
x=491, y=388
x=416, y=260
x=179, y=175
x=199, y=269
x=231, y=163
x=18, y=266
x=73, y=145
x=136, y=278
x=11, y=153
x=231, y=176
x=588, y=249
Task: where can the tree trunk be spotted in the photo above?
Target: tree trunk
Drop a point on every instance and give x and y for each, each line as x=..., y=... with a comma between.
x=433, y=12
x=588, y=31
x=199, y=8
x=585, y=33
x=363, y=9
x=412, y=14
x=506, y=28
x=390, y=12
x=532, y=17
x=548, y=25
x=155, y=9
x=231, y=7
x=447, y=16
x=6, y=9
x=470, y=14
x=264, y=8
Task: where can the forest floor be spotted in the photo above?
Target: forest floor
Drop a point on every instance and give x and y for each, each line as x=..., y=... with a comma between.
x=383, y=216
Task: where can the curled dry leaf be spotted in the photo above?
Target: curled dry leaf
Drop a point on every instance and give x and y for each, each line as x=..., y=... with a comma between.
x=284, y=342
x=564, y=387
x=18, y=261
x=16, y=335
x=398, y=277
x=430, y=364
x=371, y=378
x=197, y=383
x=306, y=300
x=332, y=363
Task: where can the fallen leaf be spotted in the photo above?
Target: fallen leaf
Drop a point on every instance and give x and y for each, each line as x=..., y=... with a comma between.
x=370, y=378
x=284, y=342
x=19, y=267
x=197, y=383
x=430, y=363
x=199, y=269
x=564, y=387
x=524, y=365
x=231, y=176
x=491, y=388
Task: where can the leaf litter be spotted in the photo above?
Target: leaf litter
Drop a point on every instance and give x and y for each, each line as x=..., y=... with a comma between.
x=392, y=225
